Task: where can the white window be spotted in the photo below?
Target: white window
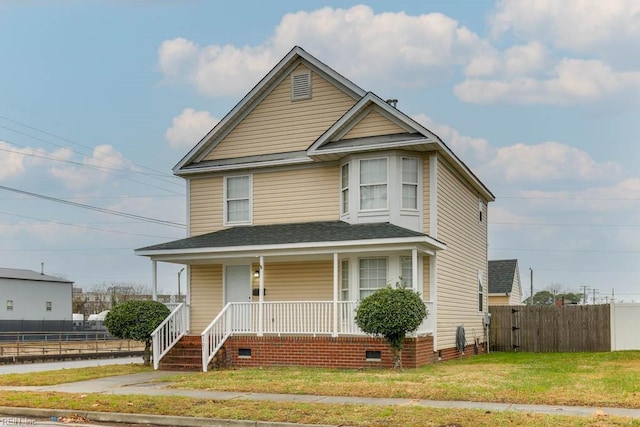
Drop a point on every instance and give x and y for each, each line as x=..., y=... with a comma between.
x=301, y=86
x=48, y=305
x=238, y=199
x=373, y=275
x=344, y=189
x=406, y=271
x=9, y=305
x=480, y=209
x=373, y=184
x=409, y=183
x=344, y=281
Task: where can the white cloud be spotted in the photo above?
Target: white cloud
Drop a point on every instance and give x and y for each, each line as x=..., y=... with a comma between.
x=466, y=147
x=15, y=160
x=103, y=159
x=373, y=47
x=549, y=161
x=189, y=127
x=578, y=25
x=574, y=81
x=519, y=60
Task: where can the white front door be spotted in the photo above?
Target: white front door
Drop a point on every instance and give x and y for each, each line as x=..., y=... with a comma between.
x=237, y=286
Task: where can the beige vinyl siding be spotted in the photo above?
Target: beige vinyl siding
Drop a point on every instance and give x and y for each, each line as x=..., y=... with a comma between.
x=279, y=124
x=499, y=300
x=458, y=265
x=205, y=205
x=373, y=124
x=206, y=295
x=297, y=195
x=426, y=280
x=297, y=281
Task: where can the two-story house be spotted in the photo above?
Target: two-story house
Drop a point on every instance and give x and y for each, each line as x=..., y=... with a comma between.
x=309, y=195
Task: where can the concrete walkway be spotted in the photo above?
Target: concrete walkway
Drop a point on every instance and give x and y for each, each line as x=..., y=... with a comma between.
x=144, y=384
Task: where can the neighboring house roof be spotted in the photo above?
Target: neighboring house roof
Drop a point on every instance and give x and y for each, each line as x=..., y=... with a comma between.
x=292, y=234
x=501, y=275
x=18, y=274
x=329, y=145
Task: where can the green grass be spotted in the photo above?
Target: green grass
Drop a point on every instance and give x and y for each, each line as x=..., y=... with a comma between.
x=70, y=375
x=582, y=379
x=589, y=379
x=343, y=415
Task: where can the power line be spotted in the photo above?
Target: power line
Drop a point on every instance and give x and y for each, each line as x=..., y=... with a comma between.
x=566, y=224
x=95, y=208
x=569, y=198
x=100, y=168
x=83, y=226
x=62, y=138
x=564, y=250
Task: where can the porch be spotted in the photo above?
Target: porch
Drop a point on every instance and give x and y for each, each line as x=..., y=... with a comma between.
x=272, y=324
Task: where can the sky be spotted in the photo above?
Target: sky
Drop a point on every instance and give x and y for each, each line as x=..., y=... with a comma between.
x=540, y=98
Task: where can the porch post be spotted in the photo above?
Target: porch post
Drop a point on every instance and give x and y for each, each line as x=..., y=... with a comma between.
x=261, y=299
x=414, y=270
x=433, y=295
x=335, y=295
x=154, y=278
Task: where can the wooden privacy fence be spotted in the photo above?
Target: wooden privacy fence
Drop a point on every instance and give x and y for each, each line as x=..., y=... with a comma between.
x=541, y=328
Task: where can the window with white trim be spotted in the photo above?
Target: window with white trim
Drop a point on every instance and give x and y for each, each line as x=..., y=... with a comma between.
x=237, y=201
x=9, y=305
x=409, y=183
x=373, y=275
x=373, y=184
x=344, y=188
x=480, y=209
x=406, y=272
x=344, y=281
x=48, y=305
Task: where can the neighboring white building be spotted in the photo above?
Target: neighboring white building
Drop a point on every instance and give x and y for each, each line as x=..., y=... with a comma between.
x=29, y=295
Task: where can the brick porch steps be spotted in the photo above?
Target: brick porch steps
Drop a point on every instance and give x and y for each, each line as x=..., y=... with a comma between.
x=186, y=355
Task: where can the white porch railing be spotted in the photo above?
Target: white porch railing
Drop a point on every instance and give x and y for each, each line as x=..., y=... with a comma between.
x=287, y=318
x=169, y=332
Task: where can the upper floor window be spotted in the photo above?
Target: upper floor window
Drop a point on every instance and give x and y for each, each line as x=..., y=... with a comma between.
x=409, y=183
x=9, y=305
x=48, y=305
x=373, y=275
x=344, y=188
x=480, y=209
x=237, y=204
x=373, y=184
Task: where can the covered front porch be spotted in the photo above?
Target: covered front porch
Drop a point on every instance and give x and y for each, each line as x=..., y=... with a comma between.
x=299, y=288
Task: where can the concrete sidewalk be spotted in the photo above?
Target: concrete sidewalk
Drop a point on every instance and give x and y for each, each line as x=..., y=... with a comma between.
x=144, y=384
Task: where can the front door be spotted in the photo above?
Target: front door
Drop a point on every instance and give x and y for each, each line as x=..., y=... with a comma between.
x=237, y=285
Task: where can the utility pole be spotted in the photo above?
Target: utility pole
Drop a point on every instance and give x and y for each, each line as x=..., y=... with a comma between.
x=585, y=288
x=531, y=300
x=179, y=273
x=595, y=291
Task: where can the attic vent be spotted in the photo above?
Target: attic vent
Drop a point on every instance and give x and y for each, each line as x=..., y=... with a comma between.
x=301, y=86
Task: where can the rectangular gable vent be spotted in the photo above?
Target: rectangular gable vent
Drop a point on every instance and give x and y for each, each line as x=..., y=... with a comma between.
x=301, y=86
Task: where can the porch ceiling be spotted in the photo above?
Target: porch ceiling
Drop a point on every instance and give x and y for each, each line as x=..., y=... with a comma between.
x=312, y=239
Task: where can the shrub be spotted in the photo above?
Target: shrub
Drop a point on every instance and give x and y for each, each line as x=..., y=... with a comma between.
x=391, y=313
x=136, y=320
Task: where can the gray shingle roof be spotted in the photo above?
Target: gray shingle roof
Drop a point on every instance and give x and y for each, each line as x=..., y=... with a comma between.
x=277, y=234
x=15, y=273
x=501, y=275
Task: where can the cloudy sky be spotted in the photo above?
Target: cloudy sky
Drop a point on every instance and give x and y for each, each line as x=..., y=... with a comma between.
x=99, y=100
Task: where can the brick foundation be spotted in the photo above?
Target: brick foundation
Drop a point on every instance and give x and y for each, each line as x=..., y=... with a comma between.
x=341, y=352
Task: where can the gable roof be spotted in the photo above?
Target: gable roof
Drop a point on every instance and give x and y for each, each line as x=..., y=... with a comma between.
x=328, y=146
x=501, y=275
x=19, y=274
x=329, y=234
x=259, y=91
